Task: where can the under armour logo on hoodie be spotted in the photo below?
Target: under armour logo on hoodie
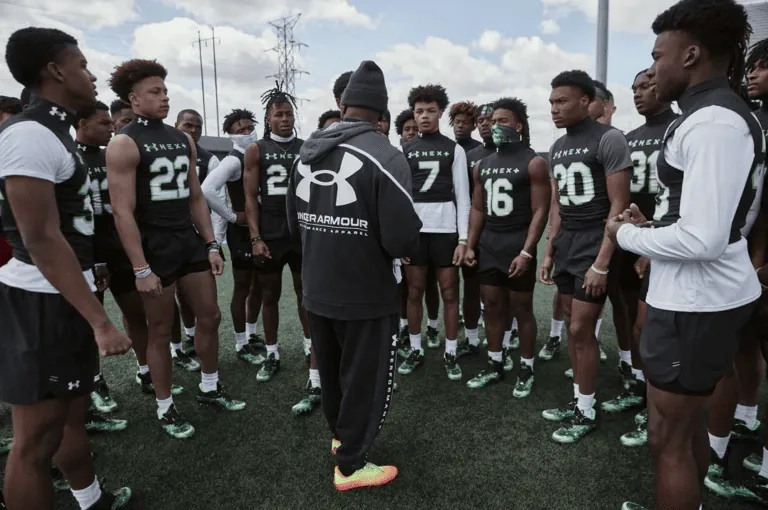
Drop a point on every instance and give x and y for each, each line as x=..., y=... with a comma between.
x=345, y=193
x=60, y=115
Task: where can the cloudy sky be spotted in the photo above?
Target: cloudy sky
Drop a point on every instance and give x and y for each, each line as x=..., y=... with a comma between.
x=478, y=50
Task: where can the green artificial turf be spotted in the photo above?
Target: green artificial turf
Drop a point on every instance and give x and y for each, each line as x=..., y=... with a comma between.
x=455, y=447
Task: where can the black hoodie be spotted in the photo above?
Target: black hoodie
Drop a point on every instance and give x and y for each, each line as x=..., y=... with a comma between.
x=349, y=199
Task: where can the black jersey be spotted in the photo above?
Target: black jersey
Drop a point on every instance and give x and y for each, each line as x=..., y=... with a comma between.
x=759, y=177
x=104, y=223
x=581, y=160
x=203, y=159
x=275, y=167
x=162, y=189
x=235, y=188
x=507, y=188
x=73, y=199
x=474, y=156
x=645, y=143
x=468, y=143
x=715, y=92
x=430, y=157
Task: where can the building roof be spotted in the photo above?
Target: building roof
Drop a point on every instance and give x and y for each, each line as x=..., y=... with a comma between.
x=215, y=144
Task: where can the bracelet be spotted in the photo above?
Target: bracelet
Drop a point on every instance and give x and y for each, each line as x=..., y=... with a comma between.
x=598, y=271
x=212, y=246
x=526, y=254
x=140, y=268
x=143, y=273
x=256, y=239
x=463, y=242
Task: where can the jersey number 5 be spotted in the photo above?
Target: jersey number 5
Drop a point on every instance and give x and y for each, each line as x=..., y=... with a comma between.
x=566, y=183
x=498, y=200
x=167, y=170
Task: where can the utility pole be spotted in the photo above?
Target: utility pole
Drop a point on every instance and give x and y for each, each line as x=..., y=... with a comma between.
x=215, y=80
x=601, y=68
x=286, y=62
x=202, y=79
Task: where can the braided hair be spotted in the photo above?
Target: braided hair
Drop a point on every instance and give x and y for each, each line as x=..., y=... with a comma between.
x=274, y=97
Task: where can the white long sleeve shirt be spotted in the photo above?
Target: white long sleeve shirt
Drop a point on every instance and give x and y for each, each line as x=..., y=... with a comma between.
x=449, y=217
x=693, y=268
x=214, y=188
x=219, y=224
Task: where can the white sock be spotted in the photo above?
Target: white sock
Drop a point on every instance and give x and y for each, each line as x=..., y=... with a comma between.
x=586, y=404
x=307, y=345
x=495, y=356
x=241, y=340
x=482, y=306
x=514, y=324
x=528, y=362
x=638, y=374
x=450, y=346
x=250, y=328
x=88, y=497
x=575, y=390
x=163, y=405
x=272, y=349
x=209, y=382
x=432, y=323
x=472, y=336
x=98, y=377
x=314, y=377
x=719, y=444
x=764, y=467
x=143, y=369
x=597, y=328
x=625, y=356
x=415, y=341
x=189, y=331
x=176, y=347
x=747, y=414
x=556, y=328
x=507, y=341
x=403, y=323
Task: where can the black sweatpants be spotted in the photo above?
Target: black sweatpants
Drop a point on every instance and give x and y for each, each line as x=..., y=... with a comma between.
x=356, y=360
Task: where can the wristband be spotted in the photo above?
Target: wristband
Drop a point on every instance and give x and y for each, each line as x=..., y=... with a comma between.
x=142, y=273
x=463, y=242
x=140, y=268
x=212, y=246
x=526, y=254
x=598, y=271
x=256, y=239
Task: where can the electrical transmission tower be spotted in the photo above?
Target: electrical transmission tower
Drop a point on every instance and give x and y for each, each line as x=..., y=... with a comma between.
x=286, y=47
x=199, y=43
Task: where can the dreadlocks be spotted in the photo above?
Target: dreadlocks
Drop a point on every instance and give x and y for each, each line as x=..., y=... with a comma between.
x=720, y=26
x=234, y=116
x=758, y=56
x=520, y=110
x=274, y=97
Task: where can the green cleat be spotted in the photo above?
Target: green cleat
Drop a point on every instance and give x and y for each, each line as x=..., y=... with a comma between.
x=309, y=402
x=626, y=375
x=256, y=341
x=524, y=384
x=641, y=418
x=145, y=381
x=551, y=349
x=628, y=505
x=403, y=343
x=628, y=400
x=753, y=489
x=219, y=398
x=101, y=399
x=741, y=430
x=568, y=373
x=188, y=346
x=413, y=361
x=753, y=462
x=174, y=425
x=185, y=361
x=515, y=340
x=467, y=349
x=113, y=500
x=433, y=339
x=560, y=413
x=452, y=369
x=493, y=373
x=635, y=438
x=509, y=362
x=95, y=422
x=250, y=355
x=5, y=445
x=575, y=428
x=268, y=370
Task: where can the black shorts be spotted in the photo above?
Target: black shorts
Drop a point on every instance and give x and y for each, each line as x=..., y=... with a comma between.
x=495, y=253
x=435, y=249
x=282, y=251
x=47, y=349
x=575, y=252
x=173, y=254
x=689, y=352
x=240, y=247
x=628, y=279
x=121, y=277
x=643, y=294
x=469, y=273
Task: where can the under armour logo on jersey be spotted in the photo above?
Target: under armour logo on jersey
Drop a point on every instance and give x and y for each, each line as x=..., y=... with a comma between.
x=149, y=147
x=345, y=193
x=73, y=385
x=81, y=147
x=55, y=111
x=143, y=122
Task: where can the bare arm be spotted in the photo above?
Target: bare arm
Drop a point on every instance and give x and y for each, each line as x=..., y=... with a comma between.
x=477, y=214
x=758, y=238
x=122, y=159
x=541, y=196
x=554, y=219
x=198, y=208
x=251, y=184
x=617, y=185
x=33, y=202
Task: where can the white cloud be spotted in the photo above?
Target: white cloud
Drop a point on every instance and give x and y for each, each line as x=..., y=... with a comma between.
x=624, y=15
x=90, y=14
x=489, y=41
x=549, y=27
x=257, y=12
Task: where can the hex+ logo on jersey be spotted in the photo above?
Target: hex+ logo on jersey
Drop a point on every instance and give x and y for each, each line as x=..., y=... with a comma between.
x=345, y=193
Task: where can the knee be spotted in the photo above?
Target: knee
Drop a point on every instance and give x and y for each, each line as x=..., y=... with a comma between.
x=242, y=288
x=415, y=292
x=580, y=330
x=38, y=446
x=209, y=321
x=450, y=294
x=270, y=294
x=524, y=311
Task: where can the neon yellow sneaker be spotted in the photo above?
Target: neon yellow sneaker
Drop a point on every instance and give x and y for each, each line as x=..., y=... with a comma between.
x=335, y=443
x=369, y=475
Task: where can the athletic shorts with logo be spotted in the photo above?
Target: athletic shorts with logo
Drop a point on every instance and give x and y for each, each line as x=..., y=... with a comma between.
x=435, y=249
x=689, y=352
x=240, y=247
x=496, y=251
x=282, y=252
x=575, y=253
x=47, y=349
x=173, y=254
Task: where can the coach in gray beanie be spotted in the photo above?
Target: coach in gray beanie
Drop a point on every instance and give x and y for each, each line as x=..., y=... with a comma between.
x=366, y=88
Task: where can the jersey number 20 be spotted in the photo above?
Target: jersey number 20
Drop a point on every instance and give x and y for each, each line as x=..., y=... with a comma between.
x=166, y=170
x=566, y=183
